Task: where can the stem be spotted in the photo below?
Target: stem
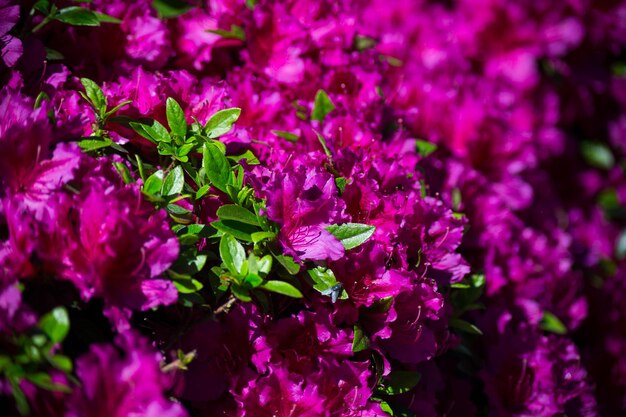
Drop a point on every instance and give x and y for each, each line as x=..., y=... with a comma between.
x=41, y=24
x=53, y=11
x=225, y=307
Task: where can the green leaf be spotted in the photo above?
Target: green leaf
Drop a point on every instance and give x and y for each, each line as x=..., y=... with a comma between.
x=236, y=32
x=42, y=6
x=241, y=292
x=43, y=380
x=154, y=183
x=239, y=230
x=77, y=16
x=174, y=182
x=188, y=286
x=287, y=262
x=61, y=362
x=291, y=137
x=400, y=382
x=55, y=324
x=341, y=183
x=219, y=145
x=105, y=18
x=322, y=141
x=396, y=410
x=282, y=287
x=95, y=95
x=116, y=108
x=202, y=191
x=89, y=145
x=222, y=122
x=265, y=265
x=176, y=118
x=384, y=405
x=249, y=157
x=551, y=323
x=261, y=236
x=478, y=280
x=325, y=282
x=597, y=155
x=176, y=209
x=393, y=61
x=424, y=147
x=215, y=166
x=465, y=326
x=238, y=213
x=53, y=55
x=457, y=198
x=360, y=341
x=233, y=254
x=21, y=402
x=351, y=235
x=171, y=8
x=155, y=133
x=124, y=172
x=140, y=167
x=40, y=98
x=183, y=151
x=252, y=280
x=188, y=239
x=323, y=105
x=362, y=42
x=466, y=293
x=243, y=195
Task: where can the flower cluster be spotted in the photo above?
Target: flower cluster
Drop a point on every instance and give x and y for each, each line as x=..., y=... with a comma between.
x=312, y=208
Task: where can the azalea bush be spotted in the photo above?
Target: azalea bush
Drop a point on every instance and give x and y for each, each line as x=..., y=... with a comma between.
x=312, y=208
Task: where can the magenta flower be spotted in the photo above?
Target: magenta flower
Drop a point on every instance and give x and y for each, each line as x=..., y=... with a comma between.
x=365, y=278
x=10, y=46
x=301, y=342
x=280, y=393
x=412, y=337
x=303, y=202
x=529, y=374
x=122, y=381
x=223, y=351
x=114, y=245
x=347, y=387
x=28, y=173
x=15, y=316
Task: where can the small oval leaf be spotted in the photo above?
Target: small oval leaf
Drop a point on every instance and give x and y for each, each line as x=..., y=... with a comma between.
x=222, y=122
x=323, y=105
x=233, y=254
x=176, y=118
x=77, y=16
x=234, y=212
x=55, y=324
x=282, y=287
x=174, y=182
x=154, y=183
x=216, y=166
x=95, y=95
x=351, y=235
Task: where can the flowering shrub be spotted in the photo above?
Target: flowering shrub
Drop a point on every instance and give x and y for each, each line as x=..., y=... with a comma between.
x=312, y=208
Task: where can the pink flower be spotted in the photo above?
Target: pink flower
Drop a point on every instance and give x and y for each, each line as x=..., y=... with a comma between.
x=301, y=342
x=111, y=243
x=30, y=175
x=304, y=201
x=124, y=380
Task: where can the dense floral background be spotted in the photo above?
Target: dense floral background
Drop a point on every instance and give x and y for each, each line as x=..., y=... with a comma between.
x=313, y=208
